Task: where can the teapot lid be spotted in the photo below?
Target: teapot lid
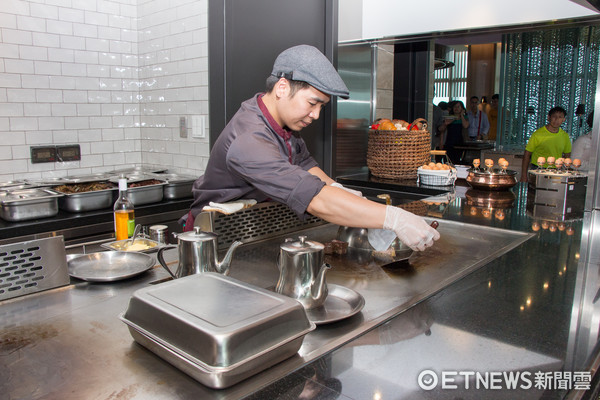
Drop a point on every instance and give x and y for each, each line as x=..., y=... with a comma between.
x=301, y=245
x=197, y=235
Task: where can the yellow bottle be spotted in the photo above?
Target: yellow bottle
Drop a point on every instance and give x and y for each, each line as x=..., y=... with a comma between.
x=124, y=215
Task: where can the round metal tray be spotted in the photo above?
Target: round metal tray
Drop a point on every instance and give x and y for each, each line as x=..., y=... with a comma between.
x=108, y=266
x=341, y=303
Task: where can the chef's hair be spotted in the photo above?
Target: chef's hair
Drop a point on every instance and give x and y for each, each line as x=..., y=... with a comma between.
x=295, y=86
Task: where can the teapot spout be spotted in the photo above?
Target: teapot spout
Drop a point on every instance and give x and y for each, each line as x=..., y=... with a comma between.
x=319, y=287
x=223, y=266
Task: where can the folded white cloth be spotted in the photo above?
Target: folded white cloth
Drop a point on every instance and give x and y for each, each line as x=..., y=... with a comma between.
x=229, y=207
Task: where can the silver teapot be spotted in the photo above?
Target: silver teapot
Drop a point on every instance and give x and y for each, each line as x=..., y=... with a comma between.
x=197, y=254
x=302, y=272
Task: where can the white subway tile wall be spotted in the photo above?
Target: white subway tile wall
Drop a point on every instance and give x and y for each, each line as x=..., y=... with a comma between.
x=112, y=76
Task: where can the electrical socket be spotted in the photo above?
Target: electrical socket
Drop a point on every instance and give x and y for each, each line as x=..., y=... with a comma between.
x=182, y=128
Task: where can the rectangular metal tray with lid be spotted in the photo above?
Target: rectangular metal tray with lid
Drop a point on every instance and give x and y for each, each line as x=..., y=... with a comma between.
x=217, y=329
x=26, y=204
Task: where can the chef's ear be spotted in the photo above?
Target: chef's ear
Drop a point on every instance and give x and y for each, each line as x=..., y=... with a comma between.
x=282, y=88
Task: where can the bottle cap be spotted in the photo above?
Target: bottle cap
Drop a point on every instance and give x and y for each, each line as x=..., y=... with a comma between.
x=122, y=184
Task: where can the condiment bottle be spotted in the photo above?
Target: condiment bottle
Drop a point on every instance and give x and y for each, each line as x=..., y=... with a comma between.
x=124, y=216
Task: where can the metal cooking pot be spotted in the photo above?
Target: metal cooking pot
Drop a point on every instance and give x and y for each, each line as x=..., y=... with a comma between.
x=358, y=238
x=197, y=254
x=492, y=179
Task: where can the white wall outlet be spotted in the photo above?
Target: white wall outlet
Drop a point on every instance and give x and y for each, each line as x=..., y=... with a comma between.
x=198, y=126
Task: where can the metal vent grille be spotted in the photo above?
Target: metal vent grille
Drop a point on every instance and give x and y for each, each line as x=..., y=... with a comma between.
x=32, y=266
x=261, y=221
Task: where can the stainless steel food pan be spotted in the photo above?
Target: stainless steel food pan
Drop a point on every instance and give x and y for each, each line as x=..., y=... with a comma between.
x=25, y=204
x=87, y=201
x=124, y=245
x=176, y=186
x=178, y=190
x=227, y=328
x=145, y=194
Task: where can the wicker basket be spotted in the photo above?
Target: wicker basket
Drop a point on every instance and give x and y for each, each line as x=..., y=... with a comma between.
x=429, y=177
x=397, y=154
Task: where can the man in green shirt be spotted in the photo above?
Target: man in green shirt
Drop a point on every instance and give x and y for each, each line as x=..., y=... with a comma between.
x=548, y=141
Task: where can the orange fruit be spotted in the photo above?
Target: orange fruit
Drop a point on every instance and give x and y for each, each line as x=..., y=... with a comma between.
x=387, y=126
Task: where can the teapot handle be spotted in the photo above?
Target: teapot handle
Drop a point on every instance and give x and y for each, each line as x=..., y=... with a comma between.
x=161, y=259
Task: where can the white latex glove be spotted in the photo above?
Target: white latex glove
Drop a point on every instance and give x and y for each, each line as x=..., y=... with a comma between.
x=354, y=192
x=411, y=229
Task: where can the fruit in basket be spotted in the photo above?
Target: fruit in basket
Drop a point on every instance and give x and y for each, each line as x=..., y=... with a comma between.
x=387, y=126
x=400, y=124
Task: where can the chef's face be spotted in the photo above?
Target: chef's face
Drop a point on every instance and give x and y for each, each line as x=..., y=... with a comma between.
x=300, y=110
x=556, y=120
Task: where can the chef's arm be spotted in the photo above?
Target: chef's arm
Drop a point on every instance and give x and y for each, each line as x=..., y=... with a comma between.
x=319, y=173
x=340, y=207
x=343, y=208
x=525, y=165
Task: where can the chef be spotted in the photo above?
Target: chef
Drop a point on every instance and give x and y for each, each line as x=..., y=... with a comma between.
x=260, y=155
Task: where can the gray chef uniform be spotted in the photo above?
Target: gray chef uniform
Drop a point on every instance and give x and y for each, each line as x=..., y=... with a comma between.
x=255, y=158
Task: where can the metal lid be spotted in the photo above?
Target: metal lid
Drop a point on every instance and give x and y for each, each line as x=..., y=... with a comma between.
x=301, y=246
x=196, y=235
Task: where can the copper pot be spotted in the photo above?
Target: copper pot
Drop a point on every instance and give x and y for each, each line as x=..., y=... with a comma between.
x=492, y=179
x=490, y=199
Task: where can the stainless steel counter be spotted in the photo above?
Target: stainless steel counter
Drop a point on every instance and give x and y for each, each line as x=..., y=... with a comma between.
x=481, y=308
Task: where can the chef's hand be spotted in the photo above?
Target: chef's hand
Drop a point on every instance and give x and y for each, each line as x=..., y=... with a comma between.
x=411, y=229
x=354, y=192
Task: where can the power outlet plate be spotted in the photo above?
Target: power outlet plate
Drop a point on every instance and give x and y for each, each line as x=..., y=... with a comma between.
x=182, y=127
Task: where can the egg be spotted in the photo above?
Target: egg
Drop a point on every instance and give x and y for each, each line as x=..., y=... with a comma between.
x=568, y=161
x=541, y=160
x=535, y=226
x=473, y=211
x=570, y=231
x=489, y=162
x=486, y=213
x=431, y=164
x=545, y=225
x=560, y=159
x=552, y=228
x=577, y=162
x=476, y=162
x=426, y=167
x=551, y=160
x=561, y=227
x=501, y=159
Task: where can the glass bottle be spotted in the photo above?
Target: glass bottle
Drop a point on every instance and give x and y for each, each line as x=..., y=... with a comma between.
x=124, y=216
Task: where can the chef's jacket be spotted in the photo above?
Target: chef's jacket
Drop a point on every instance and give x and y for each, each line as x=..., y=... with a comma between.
x=255, y=158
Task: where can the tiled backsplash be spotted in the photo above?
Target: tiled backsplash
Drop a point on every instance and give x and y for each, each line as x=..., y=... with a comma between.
x=112, y=76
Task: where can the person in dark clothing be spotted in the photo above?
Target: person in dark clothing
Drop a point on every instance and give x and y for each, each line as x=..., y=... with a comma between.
x=452, y=131
x=260, y=155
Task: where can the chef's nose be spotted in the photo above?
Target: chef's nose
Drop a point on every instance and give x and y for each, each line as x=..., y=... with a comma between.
x=314, y=114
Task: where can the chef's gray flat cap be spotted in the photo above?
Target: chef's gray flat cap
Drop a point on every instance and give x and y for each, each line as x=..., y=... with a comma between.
x=307, y=64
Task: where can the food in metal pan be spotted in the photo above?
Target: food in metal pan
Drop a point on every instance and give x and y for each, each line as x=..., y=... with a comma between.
x=83, y=187
x=144, y=183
